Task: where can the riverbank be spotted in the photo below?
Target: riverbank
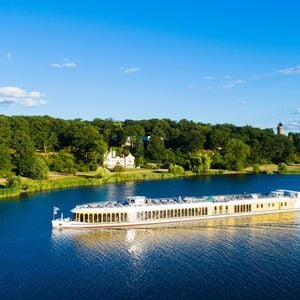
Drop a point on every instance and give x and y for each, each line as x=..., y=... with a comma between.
x=58, y=181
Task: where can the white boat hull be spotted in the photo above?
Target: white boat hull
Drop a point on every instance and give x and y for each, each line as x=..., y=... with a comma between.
x=67, y=223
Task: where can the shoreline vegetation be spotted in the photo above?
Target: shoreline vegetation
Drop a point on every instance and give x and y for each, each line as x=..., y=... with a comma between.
x=58, y=181
x=39, y=153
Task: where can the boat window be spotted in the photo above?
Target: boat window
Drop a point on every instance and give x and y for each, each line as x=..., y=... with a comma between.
x=161, y=214
x=118, y=217
x=99, y=218
x=196, y=211
x=81, y=217
x=104, y=218
x=165, y=214
x=108, y=217
x=261, y=205
x=125, y=217
x=172, y=213
x=257, y=205
x=113, y=217
x=285, y=204
x=206, y=211
x=149, y=214
x=95, y=218
x=157, y=214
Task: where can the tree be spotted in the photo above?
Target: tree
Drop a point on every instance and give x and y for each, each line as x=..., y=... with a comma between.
x=39, y=169
x=63, y=162
x=5, y=160
x=200, y=162
x=236, y=154
x=24, y=154
x=156, y=149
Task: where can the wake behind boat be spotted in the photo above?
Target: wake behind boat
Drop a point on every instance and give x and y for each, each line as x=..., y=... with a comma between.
x=138, y=211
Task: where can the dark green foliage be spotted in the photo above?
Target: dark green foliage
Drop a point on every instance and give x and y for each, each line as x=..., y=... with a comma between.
x=236, y=154
x=5, y=160
x=156, y=149
x=71, y=145
x=63, y=162
x=24, y=156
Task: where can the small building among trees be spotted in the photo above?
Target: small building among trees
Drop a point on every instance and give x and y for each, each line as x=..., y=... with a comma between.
x=111, y=160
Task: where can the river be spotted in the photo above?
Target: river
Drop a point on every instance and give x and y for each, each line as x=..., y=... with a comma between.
x=254, y=257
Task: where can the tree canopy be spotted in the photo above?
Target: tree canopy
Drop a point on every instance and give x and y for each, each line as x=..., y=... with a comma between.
x=70, y=145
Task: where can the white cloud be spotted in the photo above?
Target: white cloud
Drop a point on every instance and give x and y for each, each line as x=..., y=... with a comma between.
x=10, y=95
x=293, y=126
x=289, y=71
x=227, y=77
x=232, y=83
x=129, y=70
x=65, y=64
x=191, y=85
x=209, y=77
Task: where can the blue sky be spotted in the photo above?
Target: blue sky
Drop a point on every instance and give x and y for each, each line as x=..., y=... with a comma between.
x=214, y=62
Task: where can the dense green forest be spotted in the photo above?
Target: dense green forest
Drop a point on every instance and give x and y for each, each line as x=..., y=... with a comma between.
x=32, y=145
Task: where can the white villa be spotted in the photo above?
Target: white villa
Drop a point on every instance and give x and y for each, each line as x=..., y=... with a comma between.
x=111, y=160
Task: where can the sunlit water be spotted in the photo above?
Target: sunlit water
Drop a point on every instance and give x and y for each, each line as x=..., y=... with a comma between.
x=254, y=257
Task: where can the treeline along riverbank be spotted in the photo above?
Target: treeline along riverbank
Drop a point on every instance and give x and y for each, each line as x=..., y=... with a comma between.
x=31, y=146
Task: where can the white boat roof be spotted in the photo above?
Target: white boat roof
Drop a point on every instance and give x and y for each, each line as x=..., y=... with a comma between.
x=187, y=199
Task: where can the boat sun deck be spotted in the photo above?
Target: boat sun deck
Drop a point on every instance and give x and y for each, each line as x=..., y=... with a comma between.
x=142, y=200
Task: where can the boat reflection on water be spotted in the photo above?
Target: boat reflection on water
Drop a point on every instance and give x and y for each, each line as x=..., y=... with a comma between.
x=207, y=233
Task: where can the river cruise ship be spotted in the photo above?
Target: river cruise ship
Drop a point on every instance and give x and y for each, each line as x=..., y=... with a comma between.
x=139, y=211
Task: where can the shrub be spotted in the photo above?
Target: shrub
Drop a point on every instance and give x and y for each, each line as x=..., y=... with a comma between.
x=118, y=169
x=176, y=170
x=102, y=173
x=256, y=168
x=13, y=182
x=282, y=168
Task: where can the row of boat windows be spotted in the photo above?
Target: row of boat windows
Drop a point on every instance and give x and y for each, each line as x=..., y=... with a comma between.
x=242, y=208
x=172, y=213
x=100, y=218
x=271, y=204
x=220, y=209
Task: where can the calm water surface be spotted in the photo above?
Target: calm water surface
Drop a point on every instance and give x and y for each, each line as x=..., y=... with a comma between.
x=242, y=258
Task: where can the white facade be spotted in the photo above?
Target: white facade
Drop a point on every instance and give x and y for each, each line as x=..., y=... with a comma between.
x=112, y=160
